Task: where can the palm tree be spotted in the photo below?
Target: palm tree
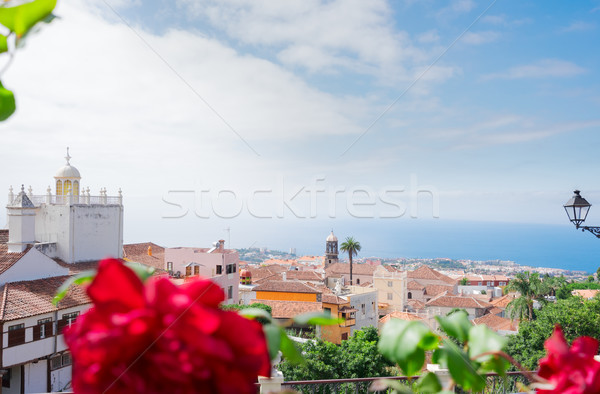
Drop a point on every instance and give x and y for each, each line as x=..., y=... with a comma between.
x=531, y=288
x=351, y=246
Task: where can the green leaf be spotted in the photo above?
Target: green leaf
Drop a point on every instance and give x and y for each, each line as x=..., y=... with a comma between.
x=3, y=43
x=7, y=103
x=496, y=364
x=317, y=319
x=404, y=343
x=273, y=335
x=142, y=271
x=483, y=340
x=23, y=17
x=457, y=325
x=462, y=370
x=254, y=313
x=429, y=383
x=289, y=349
x=79, y=279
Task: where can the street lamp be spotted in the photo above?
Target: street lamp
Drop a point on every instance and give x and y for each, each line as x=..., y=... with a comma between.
x=577, y=209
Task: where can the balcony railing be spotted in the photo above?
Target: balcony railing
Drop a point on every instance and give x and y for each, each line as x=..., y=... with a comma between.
x=348, y=323
x=83, y=199
x=495, y=384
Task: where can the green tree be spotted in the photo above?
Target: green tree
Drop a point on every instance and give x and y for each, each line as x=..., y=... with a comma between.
x=464, y=281
x=590, y=278
x=576, y=317
x=531, y=288
x=351, y=246
x=355, y=358
x=598, y=274
x=565, y=291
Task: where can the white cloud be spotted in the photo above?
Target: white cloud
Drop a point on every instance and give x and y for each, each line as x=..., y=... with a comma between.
x=428, y=37
x=482, y=37
x=319, y=36
x=546, y=68
x=579, y=26
x=457, y=7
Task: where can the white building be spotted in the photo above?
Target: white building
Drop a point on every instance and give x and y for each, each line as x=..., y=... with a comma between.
x=364, y=300
x=49, y=237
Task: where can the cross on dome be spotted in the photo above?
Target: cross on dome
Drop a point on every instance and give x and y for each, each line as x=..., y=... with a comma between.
x=68, y=157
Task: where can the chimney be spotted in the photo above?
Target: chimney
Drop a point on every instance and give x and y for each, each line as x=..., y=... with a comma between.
x=221, y=246
x=284, y=275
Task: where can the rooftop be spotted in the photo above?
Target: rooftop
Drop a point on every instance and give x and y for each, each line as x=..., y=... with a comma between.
x=289, y=309
x=281, y=286
x=28, y=298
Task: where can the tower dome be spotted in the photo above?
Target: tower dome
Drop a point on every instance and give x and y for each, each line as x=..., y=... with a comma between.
x=67, y=179
x=332, y=237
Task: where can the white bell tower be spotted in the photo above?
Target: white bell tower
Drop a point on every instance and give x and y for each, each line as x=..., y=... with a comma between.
x=21, y=223
x=67, y=180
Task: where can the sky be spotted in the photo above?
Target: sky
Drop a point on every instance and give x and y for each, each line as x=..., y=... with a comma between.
x=281, y=120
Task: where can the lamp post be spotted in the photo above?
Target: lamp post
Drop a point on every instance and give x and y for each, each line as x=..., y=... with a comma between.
x=577, y=209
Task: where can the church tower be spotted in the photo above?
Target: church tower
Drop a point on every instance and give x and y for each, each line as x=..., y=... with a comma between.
x=331, y=250
x=67, y=182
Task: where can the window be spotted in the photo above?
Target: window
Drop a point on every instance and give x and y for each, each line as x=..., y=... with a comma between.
x=58, y=187
x=390, y=283
x=409, y=295
x=60, y=361
x=6, y=377
x=390, y=296
x=358, y=281
x=327, y=311
x=363, y=309
x=489, y=284
x=16, y=334
x=170, y=266
x=230, y=269
x=345, y=336
x=197, y=270
x=67, y=188
x=230, y=292
x=188, y=270
x=219, y=269
x=479, y=283
x=66, y=321
x=502, y=284
x=43, y=329
x=75, y=188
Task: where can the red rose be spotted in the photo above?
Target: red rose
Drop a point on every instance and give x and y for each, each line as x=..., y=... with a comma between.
x=160, y=338
x=571, y=370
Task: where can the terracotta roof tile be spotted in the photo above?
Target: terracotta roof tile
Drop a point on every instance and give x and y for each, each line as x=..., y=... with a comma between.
x=289, y=309
x=587, y=294
x=304, y=275
x=357, y=269
x=445, y=300
x=400, y=315
x=34, y=297
x=496, y=323
x=333, y=299
x=281, y=286
x=3, y=236
x=424, y=272
x=434, y=290
x=416, y=304
x=503, y=301
x=414, y=285
x=139, y=253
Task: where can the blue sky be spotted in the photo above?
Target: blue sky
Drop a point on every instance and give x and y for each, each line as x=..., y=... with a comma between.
x=492, y=107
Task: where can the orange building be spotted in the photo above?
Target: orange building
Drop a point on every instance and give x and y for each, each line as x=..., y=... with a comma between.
x=338, y=307
x=287, y=291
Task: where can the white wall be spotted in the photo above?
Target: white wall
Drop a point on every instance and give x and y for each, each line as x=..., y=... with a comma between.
x=36, y=376
x=60, y=379
x=370, y=316
x=15, y=381
x=34, y=265
x=82, y=232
